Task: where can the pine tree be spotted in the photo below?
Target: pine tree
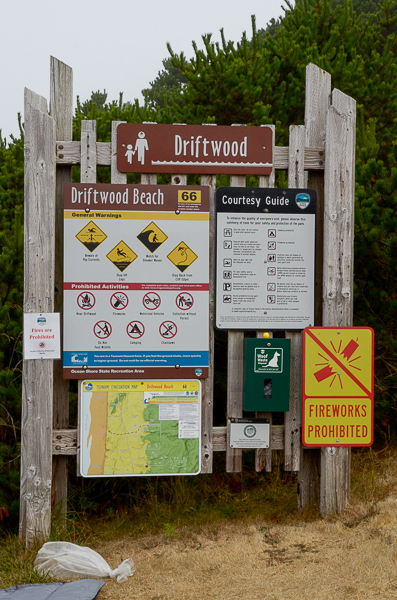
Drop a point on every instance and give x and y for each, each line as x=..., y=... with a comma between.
x=11, y=305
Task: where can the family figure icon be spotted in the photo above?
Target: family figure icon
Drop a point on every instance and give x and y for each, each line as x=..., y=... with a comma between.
x=141, y=146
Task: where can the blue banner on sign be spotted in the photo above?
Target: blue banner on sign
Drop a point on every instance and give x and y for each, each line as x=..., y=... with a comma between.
x=135, y=359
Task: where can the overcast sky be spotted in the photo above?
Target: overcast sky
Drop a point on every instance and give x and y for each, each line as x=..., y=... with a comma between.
x=117, y=45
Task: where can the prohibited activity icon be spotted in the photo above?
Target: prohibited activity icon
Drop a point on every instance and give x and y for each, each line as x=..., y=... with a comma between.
x=184, y=301
x=86, y=300
x=119, y=301
x=135, y=329
x=151, y=300
x=102, y=329
x=168, y=329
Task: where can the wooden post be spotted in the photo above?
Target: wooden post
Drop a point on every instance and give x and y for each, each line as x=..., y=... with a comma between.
x=39, y=266
x=293, y=418
x=235, y=377
x=115, y=175
x=340, y=143
x=318, y=89
x=263, y=457
x=61, y=110
x=207, y=455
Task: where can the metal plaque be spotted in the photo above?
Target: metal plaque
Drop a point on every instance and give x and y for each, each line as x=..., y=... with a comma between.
x=249, y=433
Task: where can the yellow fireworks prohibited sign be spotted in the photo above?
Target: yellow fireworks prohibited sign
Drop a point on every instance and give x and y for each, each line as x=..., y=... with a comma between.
x=122, y=256
x=182, y=256
x=91, y=236
x=338, y=386
x=152, y=237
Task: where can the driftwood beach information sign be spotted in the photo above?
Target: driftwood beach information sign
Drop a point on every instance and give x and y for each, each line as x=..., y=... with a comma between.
x=202, y=149
x=136, y=281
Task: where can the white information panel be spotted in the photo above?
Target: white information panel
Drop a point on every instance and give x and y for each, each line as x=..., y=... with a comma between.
x=265, y=263
x=41, y=336
x=136, y=275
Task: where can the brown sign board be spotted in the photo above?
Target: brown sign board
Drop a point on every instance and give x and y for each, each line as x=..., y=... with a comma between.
x=205, y=149
x=129, y=197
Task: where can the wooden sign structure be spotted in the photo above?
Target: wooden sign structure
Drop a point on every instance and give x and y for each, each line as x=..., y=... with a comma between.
x=320, y=155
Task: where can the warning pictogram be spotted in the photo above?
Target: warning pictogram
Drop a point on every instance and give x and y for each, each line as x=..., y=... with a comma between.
x=135, y=329
x=102, y=329
x=338, y=361
x=119, y=301
x=168, y=329
x=91, y=236
x=184, y=301
x=338, y=386
x=122, y=256
x=86, y=300
x=152, y=237
x=151, y=300
x=182, y=256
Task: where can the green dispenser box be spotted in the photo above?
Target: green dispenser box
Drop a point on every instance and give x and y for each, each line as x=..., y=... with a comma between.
x=266, y=374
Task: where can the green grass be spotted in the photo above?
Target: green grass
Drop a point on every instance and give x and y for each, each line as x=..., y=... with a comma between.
x=166, y=505
x=17, y=563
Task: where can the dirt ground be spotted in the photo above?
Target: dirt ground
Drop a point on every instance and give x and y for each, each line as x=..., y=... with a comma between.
x=353, y=557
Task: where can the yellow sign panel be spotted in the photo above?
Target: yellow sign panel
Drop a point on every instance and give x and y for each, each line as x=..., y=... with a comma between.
x=338, y=361
x=182, y=256
x=91, y=236
x=142, y=386
x=189, y=197
x=338, y=386
x=152, y=237
x=122, y=256
x=338, y=422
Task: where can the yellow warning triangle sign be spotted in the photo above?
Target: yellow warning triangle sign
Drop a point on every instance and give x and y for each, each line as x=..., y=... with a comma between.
x=338, y=362
x=182, y=256
x=121, y=256
x=91, y=236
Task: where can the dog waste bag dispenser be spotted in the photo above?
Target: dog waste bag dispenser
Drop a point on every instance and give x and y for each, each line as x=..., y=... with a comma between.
x=266, y=375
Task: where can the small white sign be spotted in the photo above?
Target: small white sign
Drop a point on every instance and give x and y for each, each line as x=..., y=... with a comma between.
x=249, y=433
x=41, y=336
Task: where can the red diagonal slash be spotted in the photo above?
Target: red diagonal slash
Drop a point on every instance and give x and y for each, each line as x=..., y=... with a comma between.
x=337, y=361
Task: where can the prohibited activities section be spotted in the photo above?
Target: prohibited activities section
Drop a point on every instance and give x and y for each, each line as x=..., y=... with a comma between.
x=136, y=281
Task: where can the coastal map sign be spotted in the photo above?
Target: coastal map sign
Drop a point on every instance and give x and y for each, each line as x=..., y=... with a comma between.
x=338, y=386
x=140, y=428
x=265, y=258
x=206, y=149
x=136, y=281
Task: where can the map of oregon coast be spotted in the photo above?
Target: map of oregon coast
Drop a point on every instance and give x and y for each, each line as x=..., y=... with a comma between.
x=140, y=428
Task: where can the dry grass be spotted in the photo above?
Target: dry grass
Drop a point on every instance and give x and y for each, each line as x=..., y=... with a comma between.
x=349, y=557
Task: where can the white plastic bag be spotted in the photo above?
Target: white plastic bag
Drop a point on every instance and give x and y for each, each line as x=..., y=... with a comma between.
x=63, y=559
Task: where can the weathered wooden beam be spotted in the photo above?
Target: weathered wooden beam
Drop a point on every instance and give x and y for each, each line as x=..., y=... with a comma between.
x=235, y=376
x=65, y=442
x=318, y=89
x=208, y=396
x=115, y=175
x=39, y=266
x=69, y=153
x=61, y=110
x=293, y=418
x=338, y=270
